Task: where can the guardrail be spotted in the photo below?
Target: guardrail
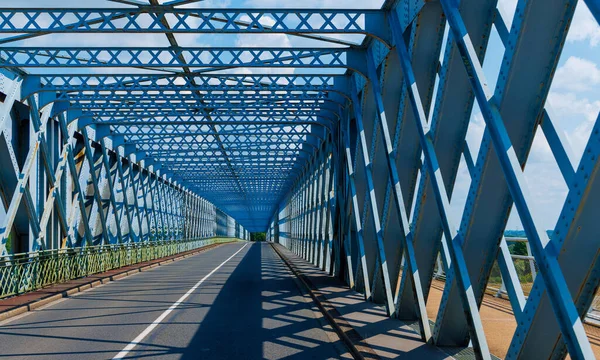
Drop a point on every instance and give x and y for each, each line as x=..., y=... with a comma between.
x=527, y=272
x=25, y=272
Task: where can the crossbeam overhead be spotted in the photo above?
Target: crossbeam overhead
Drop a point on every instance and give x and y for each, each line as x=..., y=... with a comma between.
x=193, y=57
x=153, y=19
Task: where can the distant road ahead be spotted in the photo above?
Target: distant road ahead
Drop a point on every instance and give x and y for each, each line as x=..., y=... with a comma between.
x=241, y=303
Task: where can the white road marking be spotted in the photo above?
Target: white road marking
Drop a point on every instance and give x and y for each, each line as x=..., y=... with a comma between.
x=162, y=316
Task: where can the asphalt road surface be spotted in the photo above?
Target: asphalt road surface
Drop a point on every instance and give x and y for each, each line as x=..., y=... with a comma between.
x=237, y=301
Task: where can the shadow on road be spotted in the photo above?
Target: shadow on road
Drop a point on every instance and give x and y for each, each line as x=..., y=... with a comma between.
x=259, y=314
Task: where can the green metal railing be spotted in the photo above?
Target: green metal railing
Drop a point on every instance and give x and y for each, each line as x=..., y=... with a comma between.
x=21, y=273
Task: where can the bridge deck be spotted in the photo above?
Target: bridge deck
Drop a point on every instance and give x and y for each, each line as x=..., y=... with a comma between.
x=249, y=308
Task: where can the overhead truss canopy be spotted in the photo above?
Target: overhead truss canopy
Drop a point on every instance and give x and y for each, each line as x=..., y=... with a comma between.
x=237, y=139
x=341, y=131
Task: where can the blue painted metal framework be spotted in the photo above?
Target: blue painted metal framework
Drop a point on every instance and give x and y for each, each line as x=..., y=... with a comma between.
x=346, y=151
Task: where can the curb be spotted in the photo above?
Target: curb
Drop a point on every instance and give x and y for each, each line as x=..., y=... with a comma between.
x=36, y=304
x=338, y=323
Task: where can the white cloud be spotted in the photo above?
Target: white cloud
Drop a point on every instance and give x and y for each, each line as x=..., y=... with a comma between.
x=460, y=193
x=576, y=117
x=475, y=132
x=577, y=74
x=584, y=27
x=544, y=182
x=567, y=104
x=572, y=114
x=580, y=136
x=263, y=40
x=507, y=9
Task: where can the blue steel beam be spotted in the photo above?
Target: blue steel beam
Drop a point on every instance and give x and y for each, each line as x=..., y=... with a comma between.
x=188, y=131
x=178, y=93
x=594, y=7
x=201, y=109
x=235, y=115
x=249, y=148
x=344, y=269
x=196, y=122
x=469, y=305
x=361, y=262
x=406, y=237
x=185, y=97
x=23, y=174
x=151, y=19
x=157, y=57
x=193, y=108
x=578, y=259
x=185, y=133
x=179, y=81
x=375, y=218
x=449, y=121
x=164, y=22
x=494, y=107
x=188, y=144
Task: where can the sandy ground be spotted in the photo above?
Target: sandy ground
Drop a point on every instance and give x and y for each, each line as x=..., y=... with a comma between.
x=498, y=321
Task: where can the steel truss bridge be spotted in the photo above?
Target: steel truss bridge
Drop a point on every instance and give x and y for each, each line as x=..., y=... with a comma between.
x=345, y=151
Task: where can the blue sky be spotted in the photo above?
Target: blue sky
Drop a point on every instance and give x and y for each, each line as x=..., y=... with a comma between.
x=574, y=98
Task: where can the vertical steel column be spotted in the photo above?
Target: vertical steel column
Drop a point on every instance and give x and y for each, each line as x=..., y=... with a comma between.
x=111, y=189
x=323, y=210
x=171, y=220
x=329, y=209
x=124, y=181
x=312, y=227
x=362, y=260
x=143, y=187
x=135, y=177
x=23, y=177
x=55, y=198
x=343, y=204
x=389, y=300
x=319, y=200
x=406, y=237
x=306, y=213
x=467, y=296
x=157, y=203
x=92, y=157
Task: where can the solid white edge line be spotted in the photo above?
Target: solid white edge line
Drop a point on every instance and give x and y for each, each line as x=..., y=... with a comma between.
x=162, y=316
